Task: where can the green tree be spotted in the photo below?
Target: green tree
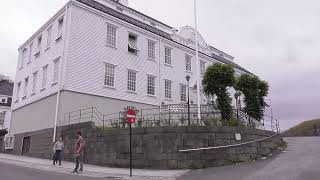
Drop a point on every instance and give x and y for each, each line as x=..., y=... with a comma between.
x=217, y=79
x=254, y=91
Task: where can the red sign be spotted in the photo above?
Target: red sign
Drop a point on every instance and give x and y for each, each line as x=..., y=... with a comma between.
x=131, y=116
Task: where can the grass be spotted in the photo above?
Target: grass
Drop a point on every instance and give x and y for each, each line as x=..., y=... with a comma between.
x=306, y=128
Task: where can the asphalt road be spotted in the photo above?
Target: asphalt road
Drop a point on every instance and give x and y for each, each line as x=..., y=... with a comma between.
x=12, y=172
x=301, y=161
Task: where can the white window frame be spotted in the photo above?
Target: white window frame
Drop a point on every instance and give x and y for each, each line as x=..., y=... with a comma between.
x=168, y=89
x=132, y=81
x=109, y=75
x=49, y=37
x=34, y=83
x=18, y=91
x=38, y=48
x=111, y=35
x=183, y=93
x=168, y=55
x=151, y=85
x=60, y=28
x=5, y=100
x=25, y=89
x=188, y=63
x=151, y=49
x=23, y=57
x=202, y=67
x=133, y=44
x=30, y=52
x=9, y=142
x=44, y=76
x=56, y=70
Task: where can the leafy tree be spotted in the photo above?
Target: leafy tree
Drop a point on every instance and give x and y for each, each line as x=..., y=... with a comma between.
x=217, y=79
x=254, y=91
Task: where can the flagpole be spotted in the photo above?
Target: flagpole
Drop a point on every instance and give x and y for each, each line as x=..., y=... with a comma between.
x=197, y=59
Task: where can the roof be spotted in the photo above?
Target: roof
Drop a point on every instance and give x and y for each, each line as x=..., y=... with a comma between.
x=6, y=87
x=126, y=18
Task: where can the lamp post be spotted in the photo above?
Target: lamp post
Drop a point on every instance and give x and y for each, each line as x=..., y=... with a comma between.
x=237, y=95
x=188, y=79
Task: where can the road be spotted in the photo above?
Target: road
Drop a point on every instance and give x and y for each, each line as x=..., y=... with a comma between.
x=300, y=161
x=13, y=172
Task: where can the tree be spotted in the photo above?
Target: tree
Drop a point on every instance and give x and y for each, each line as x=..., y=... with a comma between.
x=217, y=79
x=254, y=91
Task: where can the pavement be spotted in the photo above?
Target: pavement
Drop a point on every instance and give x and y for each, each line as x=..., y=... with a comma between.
x=300, y=161
x=90, y=171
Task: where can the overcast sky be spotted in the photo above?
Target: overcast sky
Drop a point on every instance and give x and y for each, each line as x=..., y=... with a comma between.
x=277, y=40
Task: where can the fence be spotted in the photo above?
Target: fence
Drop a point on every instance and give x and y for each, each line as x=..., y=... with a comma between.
x=167, y=115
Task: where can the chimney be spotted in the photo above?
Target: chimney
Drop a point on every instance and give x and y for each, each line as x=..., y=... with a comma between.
x=123, y=2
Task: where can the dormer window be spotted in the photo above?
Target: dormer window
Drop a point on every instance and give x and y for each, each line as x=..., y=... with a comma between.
x=133, y=44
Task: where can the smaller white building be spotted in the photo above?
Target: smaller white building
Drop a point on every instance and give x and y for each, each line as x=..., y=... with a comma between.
x=6, y=89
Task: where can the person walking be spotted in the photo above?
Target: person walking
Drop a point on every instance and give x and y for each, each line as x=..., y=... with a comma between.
x=78, y=151
x=58, y=147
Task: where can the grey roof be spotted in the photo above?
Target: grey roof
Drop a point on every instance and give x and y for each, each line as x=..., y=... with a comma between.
x=6, y=88
x=126, y=18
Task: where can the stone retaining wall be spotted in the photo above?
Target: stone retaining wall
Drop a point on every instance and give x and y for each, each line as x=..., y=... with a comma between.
x=158, y=147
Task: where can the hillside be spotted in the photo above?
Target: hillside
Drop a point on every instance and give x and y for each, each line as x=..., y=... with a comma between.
x=307, y=128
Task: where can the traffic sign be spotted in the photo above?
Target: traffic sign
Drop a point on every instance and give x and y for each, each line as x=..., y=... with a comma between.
x=131, y=116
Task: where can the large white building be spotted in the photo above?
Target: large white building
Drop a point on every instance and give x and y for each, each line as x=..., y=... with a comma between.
x=104, y=54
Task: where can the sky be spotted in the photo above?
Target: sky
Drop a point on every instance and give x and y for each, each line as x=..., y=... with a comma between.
x=279, y=41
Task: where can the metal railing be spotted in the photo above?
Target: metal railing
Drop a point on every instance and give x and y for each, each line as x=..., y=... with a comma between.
x=167, y=115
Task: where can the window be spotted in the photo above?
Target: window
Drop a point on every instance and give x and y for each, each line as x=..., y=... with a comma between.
x=202, y=67
x=38, y=46
x=151, y=50
x=3, y=100
x=25, y=91
x=109, y=75
x=34, y=84
x=183, y=92
x=133, y=44
x=111, y=35
x=167, y=55
x=56, y=71
x=151, y=85
x=30, y=52
x=49, y=32
x=132, y=77
x=44, y=76
x=188, y=63
x=23, y=57
x=18, y=91
x=60, y=29
x=168, y=89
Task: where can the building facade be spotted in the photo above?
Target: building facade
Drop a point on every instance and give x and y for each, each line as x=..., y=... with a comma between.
x=104, y=54
x=6, y=89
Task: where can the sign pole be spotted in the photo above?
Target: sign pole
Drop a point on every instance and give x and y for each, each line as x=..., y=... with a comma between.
x=130, y=150
x=131, y=118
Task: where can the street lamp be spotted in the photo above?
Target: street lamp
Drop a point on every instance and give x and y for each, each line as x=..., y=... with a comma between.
x=188, y=79
x=237, y=95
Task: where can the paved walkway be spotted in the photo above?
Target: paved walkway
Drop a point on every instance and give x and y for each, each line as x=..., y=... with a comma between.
x=91, y=170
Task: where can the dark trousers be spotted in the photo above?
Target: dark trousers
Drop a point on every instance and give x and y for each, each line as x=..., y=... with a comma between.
x=79, y=162
x=57, y=157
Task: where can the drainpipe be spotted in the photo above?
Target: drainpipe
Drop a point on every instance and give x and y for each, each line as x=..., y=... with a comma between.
x=197, y=59
x=63, y=59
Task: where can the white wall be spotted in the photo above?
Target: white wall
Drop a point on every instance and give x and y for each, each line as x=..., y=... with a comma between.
x=46, y=57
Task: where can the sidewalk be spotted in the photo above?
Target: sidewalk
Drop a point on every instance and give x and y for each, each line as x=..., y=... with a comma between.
x=91, y=170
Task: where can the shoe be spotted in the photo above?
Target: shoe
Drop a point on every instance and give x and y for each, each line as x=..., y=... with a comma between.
x=80, y=171
x=73, y=171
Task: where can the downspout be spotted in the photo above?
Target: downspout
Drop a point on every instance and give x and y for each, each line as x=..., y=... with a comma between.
x=63, y=59
x=197, y=60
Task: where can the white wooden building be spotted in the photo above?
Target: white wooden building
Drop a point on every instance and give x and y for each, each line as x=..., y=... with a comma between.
x=103, y=53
